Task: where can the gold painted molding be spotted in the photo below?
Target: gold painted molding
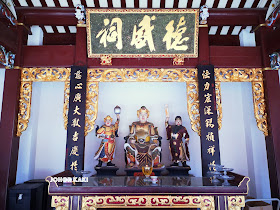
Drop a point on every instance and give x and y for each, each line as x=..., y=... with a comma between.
x=60, y=202
x=24, y=106
x=45, y=74
x=142, y=75
x=219, y=104
x=193, y=106
x=235, y=202
x=66, y=103
x=255, y=76
x=148, y=201
x=259, y=106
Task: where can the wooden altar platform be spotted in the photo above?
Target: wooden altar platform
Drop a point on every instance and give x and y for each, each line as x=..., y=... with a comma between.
x=136, y=192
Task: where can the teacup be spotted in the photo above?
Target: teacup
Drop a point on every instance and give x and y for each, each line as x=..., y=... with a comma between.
x=154, y=179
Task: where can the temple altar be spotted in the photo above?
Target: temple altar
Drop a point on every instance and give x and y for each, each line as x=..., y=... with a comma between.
x=134, y=191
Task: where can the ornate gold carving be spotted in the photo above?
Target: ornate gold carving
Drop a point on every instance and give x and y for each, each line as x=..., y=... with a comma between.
x=94, y=202
x=259, y=106
x=193, y=106
x=24, y=106
x=236, y=202
x=106, y=60
x=178, y=60
x=219, y=103
x=66, y=103
x=238, y=74
x=142, y=75
x=45, y=74
x=255, y=76
x=91, y=106
x=60, y=202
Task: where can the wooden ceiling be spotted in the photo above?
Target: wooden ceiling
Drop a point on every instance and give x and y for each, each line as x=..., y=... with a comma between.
x=59, y=32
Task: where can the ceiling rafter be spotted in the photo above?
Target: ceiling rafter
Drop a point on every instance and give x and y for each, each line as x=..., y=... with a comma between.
x=255, y=4
x=43, y=29
x=136, y=3
x=176, y=4
x=230, y=30
x=83, y=2
x=56, y=3
x=16, y=2
x=268, y=3
x=189, y=5
x=162, y=4
x=203, y=2
x=123, y=4
x=229, y=3
x=55, y=29
x=110, y=3
x=29, y=3
x=43, y=3
x=96, y=3
x=150, y=4
x=242, y=3
x=216, y=3
x=70, y=3
x=67, y=29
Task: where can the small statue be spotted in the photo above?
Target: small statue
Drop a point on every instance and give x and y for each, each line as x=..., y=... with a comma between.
x=175, y=133
x=107, y=132
x=143, y=143
x=204, y=14
x=80, y=13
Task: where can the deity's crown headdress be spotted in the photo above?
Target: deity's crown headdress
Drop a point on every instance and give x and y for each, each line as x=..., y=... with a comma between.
x=143, y=108
x=108, y=118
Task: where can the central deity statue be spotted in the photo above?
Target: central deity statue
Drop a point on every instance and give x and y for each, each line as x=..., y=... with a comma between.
x=142, y=145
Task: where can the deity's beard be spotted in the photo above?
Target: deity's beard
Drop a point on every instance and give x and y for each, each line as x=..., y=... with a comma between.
x=176, y=128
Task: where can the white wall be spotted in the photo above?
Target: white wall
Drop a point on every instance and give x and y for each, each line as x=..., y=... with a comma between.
x=130, y=97
x=242, y=144
x=2, y=77
x=43, y=144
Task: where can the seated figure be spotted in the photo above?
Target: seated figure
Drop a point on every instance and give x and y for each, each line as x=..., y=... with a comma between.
x=143, y=143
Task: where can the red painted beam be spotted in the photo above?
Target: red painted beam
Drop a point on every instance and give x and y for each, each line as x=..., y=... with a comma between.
x=235, y=56
x=63, y=56
x=9, y=141
x=65, y=16
x=239, y=17
x=59, y=39
x=49, y=55
x=8, y=37
x=47, y=16
x=224, y=40
x=272, y=98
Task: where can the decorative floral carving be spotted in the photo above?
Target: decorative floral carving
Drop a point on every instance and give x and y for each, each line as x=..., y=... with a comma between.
x=178, y=60
x=106, y=60
x=259, y=106
x=94, y=202
x=193, y=106
x=24, y=106
x=60, y=202
x=6, y=58
x=45, y=74
x=91, y=106
x=219, y=104
x=255, y=76
x=66, y=103
x=236, y=202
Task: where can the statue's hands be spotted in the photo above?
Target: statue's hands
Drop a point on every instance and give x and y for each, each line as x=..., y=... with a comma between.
x=118, y=116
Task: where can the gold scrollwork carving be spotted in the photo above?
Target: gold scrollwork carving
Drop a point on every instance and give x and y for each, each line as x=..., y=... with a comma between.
x=193, y=106
x=238, y=74
x=259, y=106
x=178, y=60
x=60, y=202
x=66, y=103
x=91, y=106
x=236, y=202
x=94, y=202
x=45, y=74
x=106, y=60
x=255, y=76
x=142, y=75
x=24, y=106
x=219, y=104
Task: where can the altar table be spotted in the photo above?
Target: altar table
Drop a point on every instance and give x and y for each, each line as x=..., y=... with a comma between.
x=136, y=192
